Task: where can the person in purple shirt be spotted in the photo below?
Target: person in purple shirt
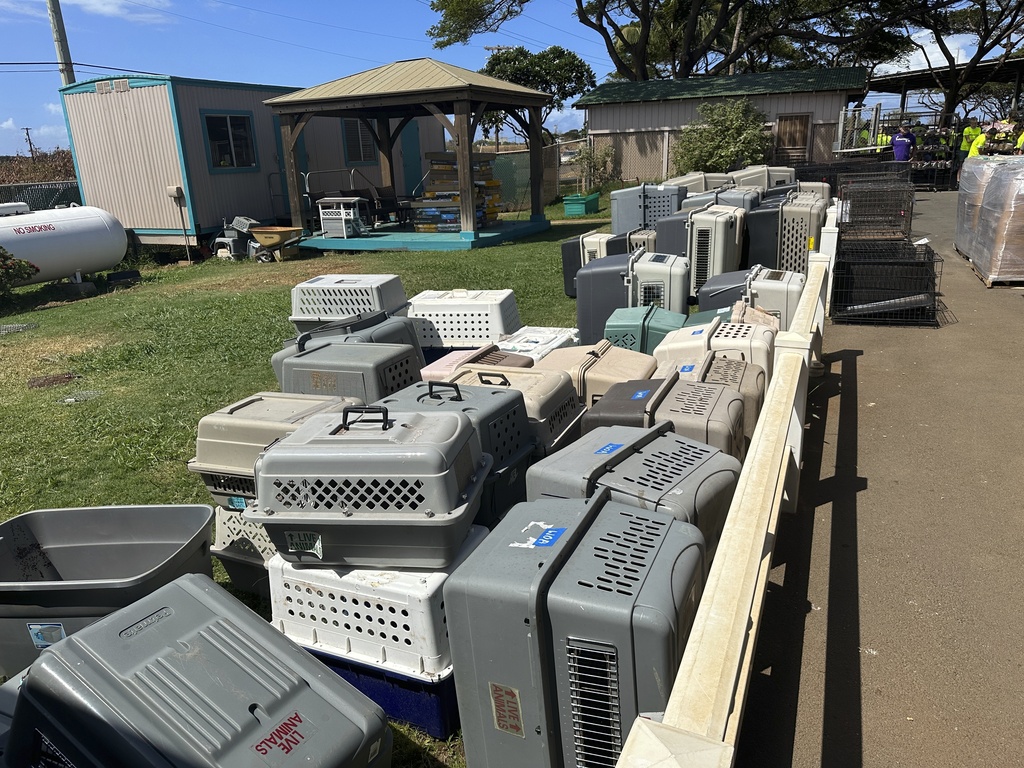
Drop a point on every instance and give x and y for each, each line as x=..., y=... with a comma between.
x=903, y=144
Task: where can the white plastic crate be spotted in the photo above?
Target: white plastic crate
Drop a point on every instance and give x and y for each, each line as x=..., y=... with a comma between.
x=394, y=619
x=332, y=297
x=463, y=318
x=242, y=536
x=536, y=341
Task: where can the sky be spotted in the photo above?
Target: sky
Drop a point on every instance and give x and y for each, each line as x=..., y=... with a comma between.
x=252, y=41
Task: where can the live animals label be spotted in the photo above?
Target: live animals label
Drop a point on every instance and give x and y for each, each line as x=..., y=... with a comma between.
x=305, y=541
x=285, y=738
x=506, y=709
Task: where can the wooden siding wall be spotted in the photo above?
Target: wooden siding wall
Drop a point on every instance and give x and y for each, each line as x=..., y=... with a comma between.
x=127, y=154
x=642, y=133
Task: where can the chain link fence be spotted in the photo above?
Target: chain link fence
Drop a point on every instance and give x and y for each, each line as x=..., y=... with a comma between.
x=512, y=169
x=41, y=196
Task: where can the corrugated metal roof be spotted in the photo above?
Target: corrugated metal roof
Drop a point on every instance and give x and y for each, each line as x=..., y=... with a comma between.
x=402, y=78
x=709, y=87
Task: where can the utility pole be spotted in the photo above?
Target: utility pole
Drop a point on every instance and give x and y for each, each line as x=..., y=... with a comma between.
x=31, y=146
x=60, y=40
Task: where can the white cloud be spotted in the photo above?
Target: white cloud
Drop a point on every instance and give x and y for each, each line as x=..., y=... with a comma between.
x=35, y=9
x=8, y=124
x=55, y=131
x=567, y=119
x=121, y=9
x=53, y=109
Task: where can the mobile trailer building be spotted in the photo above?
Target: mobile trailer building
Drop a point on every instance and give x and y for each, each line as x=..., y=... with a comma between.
x=135, y=139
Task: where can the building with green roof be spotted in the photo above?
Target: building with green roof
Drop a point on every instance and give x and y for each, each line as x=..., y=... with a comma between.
x=641, y=120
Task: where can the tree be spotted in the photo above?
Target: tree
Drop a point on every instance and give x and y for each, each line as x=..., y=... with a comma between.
x=992, y=26
x=648, y=39
x=729, y=134
x=555, y=71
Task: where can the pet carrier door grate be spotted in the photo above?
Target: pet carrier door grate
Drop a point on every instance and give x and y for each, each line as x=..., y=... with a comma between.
x=350, y=495
x=594, y=696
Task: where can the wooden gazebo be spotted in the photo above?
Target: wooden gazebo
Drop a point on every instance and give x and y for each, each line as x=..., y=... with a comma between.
x=405, y=90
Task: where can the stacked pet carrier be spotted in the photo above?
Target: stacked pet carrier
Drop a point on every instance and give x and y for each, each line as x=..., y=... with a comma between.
x=880, y=276
x=441, y=207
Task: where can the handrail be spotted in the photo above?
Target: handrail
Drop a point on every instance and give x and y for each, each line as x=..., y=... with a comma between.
x=701, y=722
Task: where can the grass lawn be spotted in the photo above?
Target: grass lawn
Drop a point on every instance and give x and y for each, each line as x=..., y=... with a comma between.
x=144, y=364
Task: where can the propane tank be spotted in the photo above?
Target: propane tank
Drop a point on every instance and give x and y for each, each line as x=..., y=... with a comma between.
x=64, y=242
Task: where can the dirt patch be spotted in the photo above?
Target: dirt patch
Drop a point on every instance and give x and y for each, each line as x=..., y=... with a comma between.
x=285, y=274
x=31, y=356
x=52, y=380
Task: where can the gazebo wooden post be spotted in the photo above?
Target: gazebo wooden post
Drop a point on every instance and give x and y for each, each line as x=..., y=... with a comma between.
x=387, y=163
x=464, y=161
x=291, y=127
x=536, y=165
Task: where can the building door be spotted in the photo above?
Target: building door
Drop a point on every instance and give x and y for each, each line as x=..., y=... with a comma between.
x=792, y=137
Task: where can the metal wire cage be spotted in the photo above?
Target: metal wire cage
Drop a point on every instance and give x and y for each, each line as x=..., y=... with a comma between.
x=875, y=209
x=886, y=283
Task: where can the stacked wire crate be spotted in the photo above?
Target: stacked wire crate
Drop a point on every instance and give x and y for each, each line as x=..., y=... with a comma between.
x=441, y=207
x=881, y=277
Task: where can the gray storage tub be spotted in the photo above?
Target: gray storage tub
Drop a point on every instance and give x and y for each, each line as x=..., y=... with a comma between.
x=370, y=487
x=189, y=677
x=62, y=569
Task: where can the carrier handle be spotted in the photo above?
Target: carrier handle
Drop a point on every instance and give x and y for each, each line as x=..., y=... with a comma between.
x=380, y=410
x=496, y=379
x=448, y=384
x=350, y=322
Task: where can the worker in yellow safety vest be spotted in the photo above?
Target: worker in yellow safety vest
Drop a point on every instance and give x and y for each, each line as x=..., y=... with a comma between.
x=978, y=146
x=1019, y=148
x=971, y=131
x=884, y=140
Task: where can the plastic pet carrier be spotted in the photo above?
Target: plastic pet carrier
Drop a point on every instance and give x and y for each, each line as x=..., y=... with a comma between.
x=761, y=239
x=688, y=367
x=393, y=619
x=365, y=371
x=641, y=328
x=641, y=206
x=628, y=404
x=801, y=220
x=587, y=576
x=579, y=251
x=673, y=233
x=500, y=427
x=553, y=409
x=231, y=439
x=188, y=677
x=425, y=702
x=703, y=318
x=386, y=330
x=372, y=487
x=690, y=341
x=749, y=343
x=596, y=367
x=775, y=291
x=747, y=379
x=488, y=354
x=708, y=413
x=747, y=197
x=464, y=318
x=536, y=341
x=62, y=569
x=243, y=548
x=601, y=289
x=649, y=468
x=659, y=280
x=716, y=242
x=334, y=297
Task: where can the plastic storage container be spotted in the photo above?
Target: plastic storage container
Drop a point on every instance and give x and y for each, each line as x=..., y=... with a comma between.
x=489, y=354
x=372, y=487
x=651, y=468
x=189, y=677
x=552, y=407
x=230, y=440
x=708, y=413
x=464, y=318
x=747, y=379
x=386, y=330
x=62, y=569
x=325, y=298
x=642, y=329
x=392, y=619
x=596, y=367
x=536, y=341
x=628, y=404
x=500, y=429
x=749, y=343
x=366, y=371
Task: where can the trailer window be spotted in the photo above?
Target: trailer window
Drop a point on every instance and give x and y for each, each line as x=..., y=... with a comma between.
x=230, y=141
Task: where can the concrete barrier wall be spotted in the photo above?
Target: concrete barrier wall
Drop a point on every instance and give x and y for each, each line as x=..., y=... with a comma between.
x=702, y=720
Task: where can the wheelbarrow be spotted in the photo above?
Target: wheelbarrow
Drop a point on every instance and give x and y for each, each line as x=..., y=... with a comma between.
x=276, y=243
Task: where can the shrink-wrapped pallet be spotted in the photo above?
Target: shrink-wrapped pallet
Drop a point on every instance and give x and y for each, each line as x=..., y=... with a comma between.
x=999, y=235
x=974, y=178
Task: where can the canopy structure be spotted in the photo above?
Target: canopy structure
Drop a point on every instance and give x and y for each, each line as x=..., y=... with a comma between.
x=405, y=90
x=993, y=71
